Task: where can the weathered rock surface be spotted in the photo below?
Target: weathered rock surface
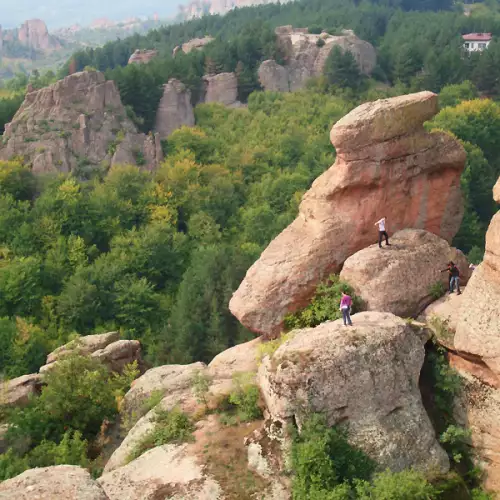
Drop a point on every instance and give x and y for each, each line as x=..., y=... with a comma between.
x=478, y=327
x=169, y=379
x=446, y=309
x=167, y=471
x=52, y=483
x=221, y=88
x=34, y=34
x=399, y=278
x=19, y=391
x=175, y=109
x=142, y=56
x=386, y=166
x=118, y=355
x=306, y=55
x=367, y=377
x=478, y=408
x=77, y=123
x=196, y=44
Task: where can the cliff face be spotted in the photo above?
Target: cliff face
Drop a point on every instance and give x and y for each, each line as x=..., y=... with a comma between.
x=32, y=34
x=386, y=166
x=76, y=123
x=306, y=55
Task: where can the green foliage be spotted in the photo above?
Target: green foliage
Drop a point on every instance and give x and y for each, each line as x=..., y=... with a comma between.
x=341, y=69
x=245, y=396
x=324, y=305
x=201, y=384
x=170, y=426
x=437, y=290
x=455, y=437
x=323, y=459
x=268, y=348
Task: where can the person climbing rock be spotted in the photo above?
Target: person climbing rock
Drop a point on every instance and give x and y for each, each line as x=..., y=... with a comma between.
x=454, y=277
x=345, y=307
x=382, y=233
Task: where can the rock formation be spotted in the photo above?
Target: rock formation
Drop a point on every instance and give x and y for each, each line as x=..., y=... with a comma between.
x=194, y=44
x=34, y=34
x=306, y=55
x=221, y=88
x=113, y=353
x=399, y=278
x=366, y=377
x=478, y=326
x=19, y=391
x=387, y=165
x=175, y=109
x=62, y=481
x=142, y=56
x=76, y=123
x=167, y=471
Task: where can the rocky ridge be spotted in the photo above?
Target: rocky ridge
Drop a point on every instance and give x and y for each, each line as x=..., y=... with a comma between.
x=33, y=34
x=386, y=159
x=76, y=124
x=306, y=55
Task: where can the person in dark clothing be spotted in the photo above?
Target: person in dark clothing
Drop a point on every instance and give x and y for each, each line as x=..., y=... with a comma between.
x=454, y=277
x=382, y=233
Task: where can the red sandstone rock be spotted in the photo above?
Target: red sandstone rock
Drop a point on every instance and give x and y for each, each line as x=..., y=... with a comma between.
x=387, y=165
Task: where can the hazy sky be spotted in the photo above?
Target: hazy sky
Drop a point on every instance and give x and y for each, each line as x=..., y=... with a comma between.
x=57, y=13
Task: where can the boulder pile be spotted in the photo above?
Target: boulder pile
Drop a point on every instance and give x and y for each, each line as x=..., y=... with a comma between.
x=387, y=165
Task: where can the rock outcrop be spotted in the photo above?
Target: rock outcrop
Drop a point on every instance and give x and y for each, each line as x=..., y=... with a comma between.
x=478, y=326
x=306, y=55
x=167, y=471
x=52, y=483
x=194, y=44
x=221, y=88
x=113, y=353
x=19, y=391
x=175, y=109
x=74, y=124
x=399, y=278
x=387, y=165
x=366, y=377
x=142, y=56
x=34, y=34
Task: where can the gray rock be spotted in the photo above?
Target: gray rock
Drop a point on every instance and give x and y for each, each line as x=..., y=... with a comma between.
x=19, y=391
x=221, y=88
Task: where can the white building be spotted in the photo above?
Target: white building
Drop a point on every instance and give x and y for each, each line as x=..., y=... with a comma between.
x=474, y=42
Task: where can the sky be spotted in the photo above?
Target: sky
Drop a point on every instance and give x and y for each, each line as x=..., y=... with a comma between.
x=60, y=13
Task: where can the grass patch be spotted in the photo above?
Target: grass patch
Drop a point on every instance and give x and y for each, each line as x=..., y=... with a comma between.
x=268, y=348
x=437, y=290
x=171, y=426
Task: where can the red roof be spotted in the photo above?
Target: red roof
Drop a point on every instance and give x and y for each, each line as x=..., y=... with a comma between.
x=477, y=37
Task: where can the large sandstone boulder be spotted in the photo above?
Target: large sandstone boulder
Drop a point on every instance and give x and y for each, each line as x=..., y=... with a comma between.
x=478, y=409
x=306, y=55
x=221, y=88
x=142, y=56
x=387, y=165
x=175, y=109
x=366, y=377
x=399, y=278
x=19, y=391
x=118, y=355
x=478, y=326
x=196, y=44
x=77, y=123
x=52, y=483
x=167, y=471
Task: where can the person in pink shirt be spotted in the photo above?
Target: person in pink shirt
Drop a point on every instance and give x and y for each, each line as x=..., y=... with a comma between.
x=345, y=307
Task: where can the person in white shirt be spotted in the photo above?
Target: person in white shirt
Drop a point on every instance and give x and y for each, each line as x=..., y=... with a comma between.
x=382, y=233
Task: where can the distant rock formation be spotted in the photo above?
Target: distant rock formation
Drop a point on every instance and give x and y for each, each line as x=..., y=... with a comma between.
x=478, y=326
x=399, y=278
x=194, y=44
x=175, y=109
x=221, y=88
x=142, y=56
x=198, y=8
x=33, y=34
x=387, y=165
x=74, y=124
x=306, y=55
x=62, y=481
x=366, y=377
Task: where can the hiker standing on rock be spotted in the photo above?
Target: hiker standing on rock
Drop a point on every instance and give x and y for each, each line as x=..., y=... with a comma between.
x=454, y=275
x=382, y=233
x=345, y=307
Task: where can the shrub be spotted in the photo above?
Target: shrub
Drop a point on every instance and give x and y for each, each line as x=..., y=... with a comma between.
x=320, y=42
x=200, y=384
x=324, y=305
x=437, y=290
x=245, y=396
x=270, y=347
x=323, y=459
x=172, y=426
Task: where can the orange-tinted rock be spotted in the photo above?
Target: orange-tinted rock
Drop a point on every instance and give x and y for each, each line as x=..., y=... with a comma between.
x=387, y=166
x=478, y=327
